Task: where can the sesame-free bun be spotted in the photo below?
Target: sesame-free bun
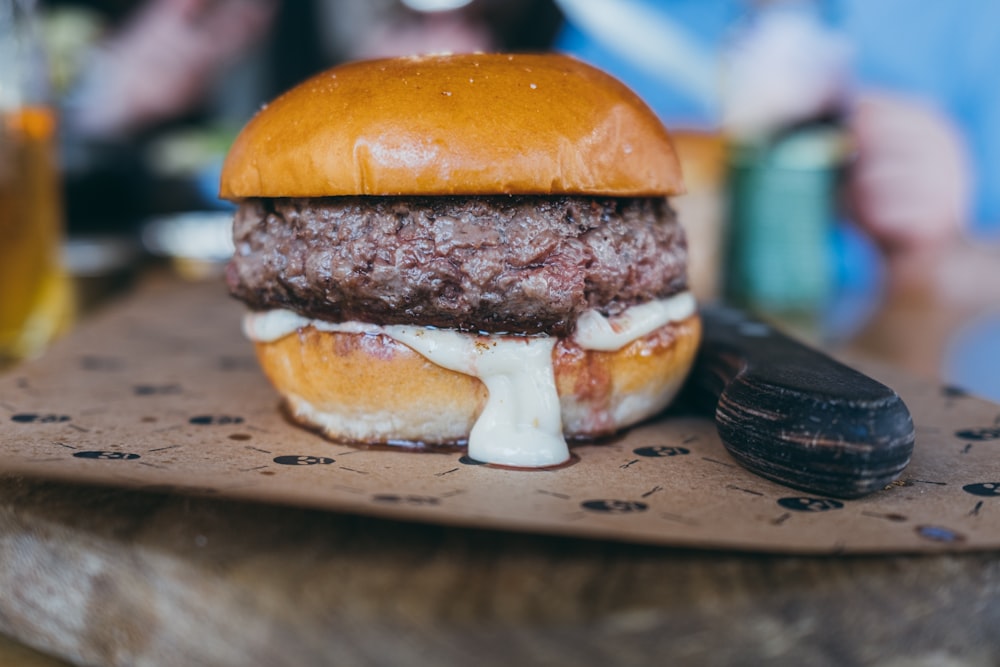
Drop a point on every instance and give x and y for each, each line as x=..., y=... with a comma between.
x=461, y=124
x=373, y=389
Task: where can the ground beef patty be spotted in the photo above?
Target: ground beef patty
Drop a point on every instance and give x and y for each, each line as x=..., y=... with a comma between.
x=516, y=264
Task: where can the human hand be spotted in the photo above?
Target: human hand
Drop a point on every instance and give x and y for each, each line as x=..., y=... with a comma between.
x=910, y=185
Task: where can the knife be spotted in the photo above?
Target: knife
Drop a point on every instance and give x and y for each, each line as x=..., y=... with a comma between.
x=794, y=415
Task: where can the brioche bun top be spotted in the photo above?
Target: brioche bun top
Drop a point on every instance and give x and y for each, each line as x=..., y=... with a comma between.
x=475, y=124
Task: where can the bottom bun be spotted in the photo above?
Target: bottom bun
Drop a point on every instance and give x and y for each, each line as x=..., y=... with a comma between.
x=372, y=389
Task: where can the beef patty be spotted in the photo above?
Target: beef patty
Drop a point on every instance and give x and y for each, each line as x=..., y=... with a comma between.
x=498, y=264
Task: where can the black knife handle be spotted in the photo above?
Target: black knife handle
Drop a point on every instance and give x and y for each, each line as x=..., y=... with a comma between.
x=794, y=415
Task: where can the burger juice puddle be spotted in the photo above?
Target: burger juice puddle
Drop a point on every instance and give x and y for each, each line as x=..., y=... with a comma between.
x=521, y=423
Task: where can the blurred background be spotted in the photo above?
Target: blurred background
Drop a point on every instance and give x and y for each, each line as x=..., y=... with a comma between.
x=839, y=154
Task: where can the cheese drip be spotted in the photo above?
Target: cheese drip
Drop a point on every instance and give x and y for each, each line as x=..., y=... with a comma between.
x=521, y=424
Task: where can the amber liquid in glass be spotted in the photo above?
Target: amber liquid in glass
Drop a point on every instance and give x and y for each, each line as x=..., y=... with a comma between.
x=35, y=296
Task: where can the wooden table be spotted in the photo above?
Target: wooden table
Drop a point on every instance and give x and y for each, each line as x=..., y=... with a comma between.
x=277, y=586
x=263, y=585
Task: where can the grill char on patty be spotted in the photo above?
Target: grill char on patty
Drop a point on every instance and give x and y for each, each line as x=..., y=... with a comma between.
x=498, y=264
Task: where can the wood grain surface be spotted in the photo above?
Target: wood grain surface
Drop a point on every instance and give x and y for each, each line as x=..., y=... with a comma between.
x=112, y=577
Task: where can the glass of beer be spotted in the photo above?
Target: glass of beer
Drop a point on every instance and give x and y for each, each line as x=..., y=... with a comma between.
x=35, y=295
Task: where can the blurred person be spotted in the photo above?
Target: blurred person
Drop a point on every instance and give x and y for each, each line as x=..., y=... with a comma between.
x=924, y=124
x=166, y=56
x=147, y=69
x=169, y=64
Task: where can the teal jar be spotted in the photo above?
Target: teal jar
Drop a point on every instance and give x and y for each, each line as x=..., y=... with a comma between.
x=783, y=196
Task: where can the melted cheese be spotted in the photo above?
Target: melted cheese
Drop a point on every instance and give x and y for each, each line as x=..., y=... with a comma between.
x=521, y=424
x=597, y=332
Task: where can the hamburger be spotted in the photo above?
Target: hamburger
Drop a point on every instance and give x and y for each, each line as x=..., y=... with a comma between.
x=467, y=249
